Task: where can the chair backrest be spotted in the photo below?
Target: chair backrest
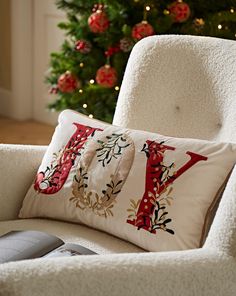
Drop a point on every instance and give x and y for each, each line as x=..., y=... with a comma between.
x=183, y=86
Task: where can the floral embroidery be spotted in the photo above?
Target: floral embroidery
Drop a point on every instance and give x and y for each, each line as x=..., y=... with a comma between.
x=150, y=212
x=159, y=220
x=119, y=147
x=112, y=148
x=53, y=178
x=101, y=205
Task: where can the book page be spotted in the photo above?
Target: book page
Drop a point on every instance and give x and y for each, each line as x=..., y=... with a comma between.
x=68, y=250
x=19, y=245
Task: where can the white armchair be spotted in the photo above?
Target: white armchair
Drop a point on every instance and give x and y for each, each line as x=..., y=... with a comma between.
x=181, y=86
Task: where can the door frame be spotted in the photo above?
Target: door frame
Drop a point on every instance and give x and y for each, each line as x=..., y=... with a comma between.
x=20, y=105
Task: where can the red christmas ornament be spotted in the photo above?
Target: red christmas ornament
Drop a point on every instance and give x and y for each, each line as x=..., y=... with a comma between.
x=112, y=50
x=83, y=46
x=98, y=21
x=67, y=82
x=179, y=11
x=126, y=44
x=106, y=76
x=142, y=30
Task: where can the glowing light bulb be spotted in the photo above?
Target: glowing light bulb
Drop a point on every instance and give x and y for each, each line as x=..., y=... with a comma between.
x=85, y=106
x=231, y=10
x=90, y=115
x=80, y=91
x=117, y=88
x=166, y=11
x=81, y=65
x=148, y=8
x=91, y=81
x=219, y=26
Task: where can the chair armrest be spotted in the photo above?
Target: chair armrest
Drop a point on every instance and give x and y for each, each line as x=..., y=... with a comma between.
x=18, y=165
x=194, y=272
x=222, y=234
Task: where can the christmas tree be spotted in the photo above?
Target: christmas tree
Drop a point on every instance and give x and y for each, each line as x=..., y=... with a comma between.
x=87, y=72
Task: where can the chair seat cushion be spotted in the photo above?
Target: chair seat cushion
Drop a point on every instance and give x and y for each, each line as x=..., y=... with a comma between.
x=96, y=241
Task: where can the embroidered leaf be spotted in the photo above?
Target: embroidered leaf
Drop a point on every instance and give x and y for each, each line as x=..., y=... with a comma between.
x=109, y=212
x=167, y=221
x=119, y=182
x=111, y=149
x=100, y=205
x=163, y=214
x=156, y=215
x=130, y=216
x=168, y=202
x=170, y=231
x=133, y=203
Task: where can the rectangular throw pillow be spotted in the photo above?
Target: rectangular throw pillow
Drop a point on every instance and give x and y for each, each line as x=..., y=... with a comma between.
x=152, y=190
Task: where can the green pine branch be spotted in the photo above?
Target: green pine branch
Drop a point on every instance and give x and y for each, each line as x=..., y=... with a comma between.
x=208, y=18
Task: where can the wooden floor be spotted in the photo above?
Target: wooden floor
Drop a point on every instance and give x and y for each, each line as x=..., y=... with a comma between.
x=24, y=132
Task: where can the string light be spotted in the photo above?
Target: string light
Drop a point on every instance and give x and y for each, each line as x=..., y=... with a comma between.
x=117, y=88
x=90, y=115
x=80, y=91
x=231, y=10
x=85, y=106
x=219, y=26
x=91, y=81
x=199, y=22
x=146, y=9
x=166, y=11
x=81, y=65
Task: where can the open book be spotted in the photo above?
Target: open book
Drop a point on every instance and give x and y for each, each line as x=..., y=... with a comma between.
x=19, y=245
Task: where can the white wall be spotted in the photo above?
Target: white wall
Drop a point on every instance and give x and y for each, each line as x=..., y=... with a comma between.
x=28, y=29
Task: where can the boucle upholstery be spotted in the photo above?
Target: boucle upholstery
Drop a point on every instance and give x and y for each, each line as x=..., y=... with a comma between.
x=176, y=85
x=97, y=241
x=181, y=86
x=18, y=166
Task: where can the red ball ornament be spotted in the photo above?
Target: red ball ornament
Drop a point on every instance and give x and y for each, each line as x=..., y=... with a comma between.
x=98, y=21
x=112, y=50
x=179, y=11
x=106, y=76
x=126, y=44
x=67, y=82
x=83, y=46
x=142, y=30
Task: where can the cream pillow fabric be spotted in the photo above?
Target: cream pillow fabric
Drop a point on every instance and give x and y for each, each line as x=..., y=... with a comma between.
x=149, y=189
